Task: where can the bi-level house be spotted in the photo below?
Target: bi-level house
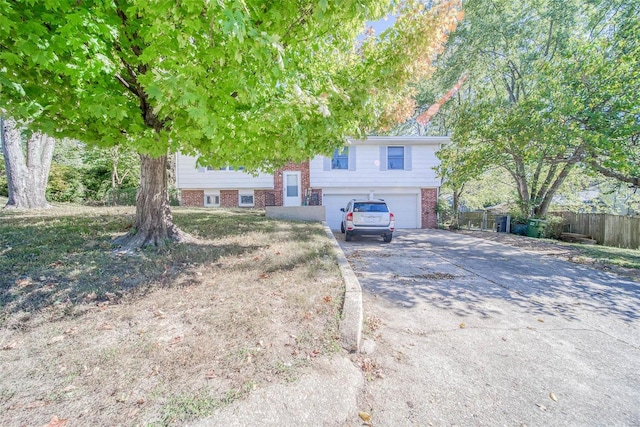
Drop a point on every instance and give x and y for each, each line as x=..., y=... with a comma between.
x=397, y=169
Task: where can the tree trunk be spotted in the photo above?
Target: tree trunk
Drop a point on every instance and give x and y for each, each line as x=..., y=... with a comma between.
x=455, y=220
x=154, y=223
x=27, y=177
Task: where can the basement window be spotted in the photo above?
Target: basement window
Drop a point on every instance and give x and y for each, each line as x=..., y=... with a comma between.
x=211, y=199
x=245, y=199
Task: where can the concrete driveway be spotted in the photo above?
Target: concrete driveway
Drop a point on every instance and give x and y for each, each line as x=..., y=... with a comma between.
x=464, y=331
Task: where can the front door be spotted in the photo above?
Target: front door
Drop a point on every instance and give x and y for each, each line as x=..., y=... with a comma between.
x=291, y=184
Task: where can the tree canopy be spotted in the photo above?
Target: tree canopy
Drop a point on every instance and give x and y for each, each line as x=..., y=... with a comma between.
x=240, y=82
x=551, y=85
x=251, y=83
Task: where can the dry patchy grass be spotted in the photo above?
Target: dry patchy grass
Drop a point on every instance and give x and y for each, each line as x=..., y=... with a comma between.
x=625, y=262
x=161, y=337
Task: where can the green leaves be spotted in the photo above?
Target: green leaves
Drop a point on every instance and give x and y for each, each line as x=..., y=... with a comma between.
x=236, y=82
x=551, y=85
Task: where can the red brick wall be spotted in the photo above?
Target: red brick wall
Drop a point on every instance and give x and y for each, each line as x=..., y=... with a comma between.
x=259, y=198
x=429, y=205
x=229, y=198
x=278, y=183
x=192, y=198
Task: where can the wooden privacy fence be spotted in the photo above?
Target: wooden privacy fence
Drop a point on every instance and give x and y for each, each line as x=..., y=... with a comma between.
x=606, y=229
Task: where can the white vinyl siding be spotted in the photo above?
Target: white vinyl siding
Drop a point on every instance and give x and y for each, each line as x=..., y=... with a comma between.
x=367, y=169
x=191, y=177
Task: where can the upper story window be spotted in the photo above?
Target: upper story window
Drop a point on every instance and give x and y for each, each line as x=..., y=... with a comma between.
x=340, y=159
x=343, y=158
x=395, y=157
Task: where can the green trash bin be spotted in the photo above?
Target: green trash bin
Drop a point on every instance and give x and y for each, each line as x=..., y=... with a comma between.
x=536, y=227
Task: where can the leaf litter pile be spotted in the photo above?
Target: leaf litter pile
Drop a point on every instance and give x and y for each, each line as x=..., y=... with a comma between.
x=163, y=337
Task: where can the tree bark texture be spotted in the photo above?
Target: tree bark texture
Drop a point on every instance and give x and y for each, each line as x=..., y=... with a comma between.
x=154, y=223
x=27, y=169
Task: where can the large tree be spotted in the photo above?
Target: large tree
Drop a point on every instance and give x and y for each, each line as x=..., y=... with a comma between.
x=27, y=157
x=243, y=82
x=593, y=91
x=551, y=85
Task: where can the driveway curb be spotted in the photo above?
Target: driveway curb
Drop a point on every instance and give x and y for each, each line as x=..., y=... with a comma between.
x=352, y=316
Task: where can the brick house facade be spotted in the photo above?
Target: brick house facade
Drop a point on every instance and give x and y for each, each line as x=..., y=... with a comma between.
x=278, y=184
x=368, y=169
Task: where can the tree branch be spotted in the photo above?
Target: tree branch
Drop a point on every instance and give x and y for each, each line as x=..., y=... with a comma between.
x=633, y=180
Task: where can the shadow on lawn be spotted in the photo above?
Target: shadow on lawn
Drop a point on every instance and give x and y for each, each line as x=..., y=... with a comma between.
x=46, y=261
x=466, y=275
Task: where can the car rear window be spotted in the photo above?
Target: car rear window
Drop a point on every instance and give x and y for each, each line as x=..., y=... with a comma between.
x=370, y=207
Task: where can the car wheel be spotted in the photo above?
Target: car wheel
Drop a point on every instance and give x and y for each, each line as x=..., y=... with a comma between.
x=347, y=236
x=342, y=227
x=388, y=237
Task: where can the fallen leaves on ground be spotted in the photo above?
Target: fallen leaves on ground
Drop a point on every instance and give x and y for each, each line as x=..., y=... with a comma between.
x=10, y=346
x=106, y=326
x=56, y=422
x=365, y=416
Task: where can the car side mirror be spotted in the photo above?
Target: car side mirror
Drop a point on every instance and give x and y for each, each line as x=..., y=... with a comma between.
x=341, y=209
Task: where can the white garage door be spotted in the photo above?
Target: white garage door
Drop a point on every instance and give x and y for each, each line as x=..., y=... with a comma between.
x=333, y=203
x=405, y=207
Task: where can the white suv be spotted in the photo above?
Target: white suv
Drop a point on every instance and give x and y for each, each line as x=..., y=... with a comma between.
x=367, y=217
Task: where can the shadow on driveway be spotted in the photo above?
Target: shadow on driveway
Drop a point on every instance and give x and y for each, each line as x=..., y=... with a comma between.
x=464, y=274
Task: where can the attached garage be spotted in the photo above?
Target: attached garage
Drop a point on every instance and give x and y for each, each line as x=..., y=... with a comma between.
x=333, y=203
x=405, y=207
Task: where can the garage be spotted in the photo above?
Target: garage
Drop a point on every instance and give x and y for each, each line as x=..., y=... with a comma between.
x=405, y=207
x=333, y=203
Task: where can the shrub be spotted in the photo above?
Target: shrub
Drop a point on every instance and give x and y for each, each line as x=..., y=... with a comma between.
x=65, y=184
x=554, y=228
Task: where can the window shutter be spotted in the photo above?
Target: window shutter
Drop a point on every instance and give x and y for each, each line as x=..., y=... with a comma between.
x=383, y=157
x=407, y=157
x=352, y=158
x=326, y=164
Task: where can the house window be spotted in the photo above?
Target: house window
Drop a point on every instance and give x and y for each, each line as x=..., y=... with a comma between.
x=395, y=157
x=245, y=199
x=340, y=159
x=292, y=185
x=212, y=199
x=232, y=168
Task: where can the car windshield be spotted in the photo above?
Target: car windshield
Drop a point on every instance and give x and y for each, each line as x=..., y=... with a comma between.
x=370, y=207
